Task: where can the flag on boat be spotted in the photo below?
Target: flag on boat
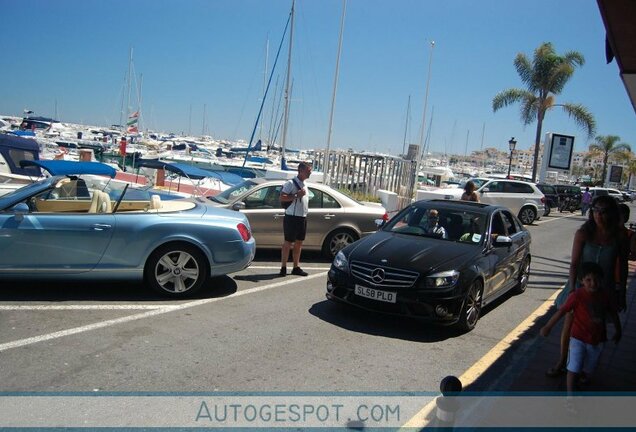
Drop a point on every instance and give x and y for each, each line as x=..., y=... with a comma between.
x=133, y=121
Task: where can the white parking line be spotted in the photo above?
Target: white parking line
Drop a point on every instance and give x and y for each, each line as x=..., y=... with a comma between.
x=151, y=313
x=82, y=307
x=552, y=219
x=278, y=268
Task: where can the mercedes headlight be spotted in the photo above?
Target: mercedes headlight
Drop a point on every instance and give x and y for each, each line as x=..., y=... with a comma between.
x=340, y=262
x=445, y=279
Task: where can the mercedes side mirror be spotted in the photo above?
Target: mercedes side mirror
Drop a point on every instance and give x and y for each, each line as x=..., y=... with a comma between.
x=503, y=241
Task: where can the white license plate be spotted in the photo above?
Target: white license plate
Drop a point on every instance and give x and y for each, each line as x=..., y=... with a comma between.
x=374, y=294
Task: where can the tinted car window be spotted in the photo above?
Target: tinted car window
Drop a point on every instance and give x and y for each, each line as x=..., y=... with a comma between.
x=460, y=226
x=229, y=194
x=498, y=226
x=320, y=199
x=508, y=222
x=256, y=200
x=496, y=186
x=520, y=188
x=547, y=189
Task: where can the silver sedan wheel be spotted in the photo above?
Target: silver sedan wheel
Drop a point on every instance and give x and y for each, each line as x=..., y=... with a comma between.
x=338, y=241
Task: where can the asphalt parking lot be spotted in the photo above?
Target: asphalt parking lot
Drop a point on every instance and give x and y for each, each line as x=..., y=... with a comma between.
x=35, y=311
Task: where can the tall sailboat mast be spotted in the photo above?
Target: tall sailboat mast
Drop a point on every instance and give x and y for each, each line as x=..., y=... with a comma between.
x=406, y=126
x=287, y=88
x=325, y=164
x=428, y=80
x=130, y=59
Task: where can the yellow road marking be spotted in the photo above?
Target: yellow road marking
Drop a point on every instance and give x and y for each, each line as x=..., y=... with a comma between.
x=424, y=416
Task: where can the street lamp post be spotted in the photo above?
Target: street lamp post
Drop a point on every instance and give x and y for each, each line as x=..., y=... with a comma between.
x=512, y=143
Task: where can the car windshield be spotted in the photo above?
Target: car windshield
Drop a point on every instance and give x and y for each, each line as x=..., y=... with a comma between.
x=229, y=194
x=445, y=224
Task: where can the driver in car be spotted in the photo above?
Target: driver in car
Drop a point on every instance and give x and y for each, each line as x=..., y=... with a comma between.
x=432, y=227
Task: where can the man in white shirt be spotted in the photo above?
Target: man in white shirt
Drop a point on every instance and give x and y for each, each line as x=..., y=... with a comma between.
x=433, y=227
x=295, y=220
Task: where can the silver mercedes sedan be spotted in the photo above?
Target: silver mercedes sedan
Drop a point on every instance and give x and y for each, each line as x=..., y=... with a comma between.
x=334, y=221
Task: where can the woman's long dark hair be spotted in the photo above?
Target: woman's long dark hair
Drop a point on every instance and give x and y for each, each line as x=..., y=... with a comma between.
x=613, y=216
x=469, y=187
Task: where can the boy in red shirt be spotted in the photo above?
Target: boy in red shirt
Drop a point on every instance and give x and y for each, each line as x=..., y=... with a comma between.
x=591, y=305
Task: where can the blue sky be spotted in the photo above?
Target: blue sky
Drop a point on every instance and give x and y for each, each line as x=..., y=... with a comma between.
x=74, y=53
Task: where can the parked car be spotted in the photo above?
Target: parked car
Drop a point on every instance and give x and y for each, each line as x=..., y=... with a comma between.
x=551, y=197
x=569, y=197
x=334, y=220
x=404, y=270
x=616, y=194
x=86, y=227
x=627, y=196
x=598, y=191
x=524, y=199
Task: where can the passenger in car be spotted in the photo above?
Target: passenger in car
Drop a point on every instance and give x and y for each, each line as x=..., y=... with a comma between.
x=433, y=226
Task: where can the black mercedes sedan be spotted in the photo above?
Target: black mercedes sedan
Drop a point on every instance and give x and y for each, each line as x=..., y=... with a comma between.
x=437, y=260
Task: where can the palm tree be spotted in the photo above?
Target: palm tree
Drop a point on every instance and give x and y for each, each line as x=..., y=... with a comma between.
x=631, y=170
x=607, y=146
x=544, y=78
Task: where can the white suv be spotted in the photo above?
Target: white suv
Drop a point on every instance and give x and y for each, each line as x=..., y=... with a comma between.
x=524, y=199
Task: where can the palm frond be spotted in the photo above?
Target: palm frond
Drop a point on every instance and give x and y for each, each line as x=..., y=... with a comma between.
x=574, y=58
x=529, y=109
x=507, y=97
x=524, y=68
x=581, y=116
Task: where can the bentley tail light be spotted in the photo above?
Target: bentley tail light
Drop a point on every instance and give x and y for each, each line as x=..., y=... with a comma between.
x=244, y=231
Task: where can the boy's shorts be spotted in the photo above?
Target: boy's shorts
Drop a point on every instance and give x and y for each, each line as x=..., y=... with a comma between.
x=583, y=357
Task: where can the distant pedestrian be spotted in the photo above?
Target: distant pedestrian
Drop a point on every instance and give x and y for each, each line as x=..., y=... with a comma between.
x=586, y=200
x=469, y=192
x=590, y=306
x=294, y=198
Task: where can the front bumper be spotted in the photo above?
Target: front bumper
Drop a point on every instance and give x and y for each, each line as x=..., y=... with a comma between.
x=439, y=306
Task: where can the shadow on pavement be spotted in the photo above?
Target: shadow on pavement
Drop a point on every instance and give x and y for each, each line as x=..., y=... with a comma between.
x=103, y=291
x=376, y=324
x=273, y=255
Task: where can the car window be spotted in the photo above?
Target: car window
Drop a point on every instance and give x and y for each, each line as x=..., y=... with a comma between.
x=495, y=186
x=547, y=189
x=320, y=199
x=68, y=196
x=230, y=194
x=520, y=188
x=498, y=226
x=456, y=225
x=508, y=222
x=264, y=198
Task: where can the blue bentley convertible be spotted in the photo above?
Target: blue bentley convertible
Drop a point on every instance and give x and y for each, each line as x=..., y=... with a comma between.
x=89, y=226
